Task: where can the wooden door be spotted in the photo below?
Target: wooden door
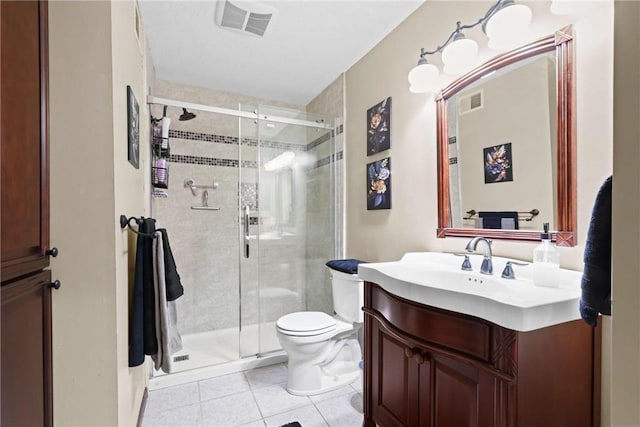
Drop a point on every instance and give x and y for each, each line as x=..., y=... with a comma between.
x=25, y=293
x=394, y=380
x=26, y=351
x=463, y=395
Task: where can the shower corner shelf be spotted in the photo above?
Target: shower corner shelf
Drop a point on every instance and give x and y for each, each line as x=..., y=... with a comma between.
x=161, y=147
x=160, y=177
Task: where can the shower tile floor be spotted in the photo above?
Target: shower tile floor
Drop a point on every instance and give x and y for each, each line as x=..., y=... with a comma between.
x=253, y=398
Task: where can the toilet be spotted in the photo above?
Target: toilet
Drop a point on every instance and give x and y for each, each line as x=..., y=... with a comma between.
x=324, y=352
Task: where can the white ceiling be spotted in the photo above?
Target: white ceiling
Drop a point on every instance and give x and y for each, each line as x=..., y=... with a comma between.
x=309, y=44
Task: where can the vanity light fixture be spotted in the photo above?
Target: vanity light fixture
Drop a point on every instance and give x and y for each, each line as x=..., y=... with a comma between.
x=502, y=23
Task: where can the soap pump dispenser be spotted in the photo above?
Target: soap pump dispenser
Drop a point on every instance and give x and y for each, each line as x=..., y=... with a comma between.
x=546, y=261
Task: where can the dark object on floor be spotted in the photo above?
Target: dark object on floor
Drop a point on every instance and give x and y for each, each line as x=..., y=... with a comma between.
x=349, y=266
x=293, y=424
x=596, y=277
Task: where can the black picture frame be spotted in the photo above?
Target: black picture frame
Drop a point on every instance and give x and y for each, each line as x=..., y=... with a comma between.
x=498, y=163
x=133, y=129
x=379, y=184
x=379, y=127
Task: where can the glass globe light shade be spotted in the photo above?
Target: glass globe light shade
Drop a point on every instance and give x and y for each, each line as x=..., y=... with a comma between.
x=510, y=22
x=423, y=75
x=459, y=55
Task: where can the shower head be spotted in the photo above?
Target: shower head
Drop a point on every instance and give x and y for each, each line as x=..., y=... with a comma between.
x=186, y=115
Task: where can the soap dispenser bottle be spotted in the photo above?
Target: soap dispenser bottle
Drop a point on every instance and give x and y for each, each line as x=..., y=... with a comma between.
x=546, y=261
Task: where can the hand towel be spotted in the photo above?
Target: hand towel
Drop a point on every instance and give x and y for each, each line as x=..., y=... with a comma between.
x=349, y=266
x=136, y=343
x=493, y=220
x=596, y=277
x=148, y=294
x=168, y=338
x=174, y=286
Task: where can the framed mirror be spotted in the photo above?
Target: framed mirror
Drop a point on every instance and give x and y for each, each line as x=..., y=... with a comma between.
x=506, y=146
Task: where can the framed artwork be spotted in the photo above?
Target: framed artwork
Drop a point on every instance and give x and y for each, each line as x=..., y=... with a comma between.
x=379, y=184
x=379, y=127
x=498, y=163
x=133, y=129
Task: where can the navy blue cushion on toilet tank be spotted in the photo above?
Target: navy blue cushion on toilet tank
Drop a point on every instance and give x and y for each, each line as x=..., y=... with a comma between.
x=349, y=266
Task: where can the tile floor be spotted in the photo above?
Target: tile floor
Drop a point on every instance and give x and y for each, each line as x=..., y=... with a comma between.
x=254, y=398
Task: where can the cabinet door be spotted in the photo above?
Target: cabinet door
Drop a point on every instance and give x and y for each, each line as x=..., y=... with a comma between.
x=394, y=380
x=26, y=351
x=24, y=157
x=462, y=394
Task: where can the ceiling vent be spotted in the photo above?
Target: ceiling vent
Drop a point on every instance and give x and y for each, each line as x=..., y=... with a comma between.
x=247, y=17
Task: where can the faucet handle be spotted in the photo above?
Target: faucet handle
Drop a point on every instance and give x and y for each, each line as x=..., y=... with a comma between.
x=508, y=272
x=466, y=264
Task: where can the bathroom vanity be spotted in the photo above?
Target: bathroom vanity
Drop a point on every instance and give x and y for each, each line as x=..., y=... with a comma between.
x=428, y=363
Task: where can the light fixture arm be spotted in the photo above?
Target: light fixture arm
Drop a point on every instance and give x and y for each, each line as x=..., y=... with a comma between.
x=459, y=27
x=459, y=52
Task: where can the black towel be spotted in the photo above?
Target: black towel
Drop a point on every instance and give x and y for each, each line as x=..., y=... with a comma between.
x=148, y=293
x=172, y=278
x=136, y=346
x=349, y=266
x=596, y=277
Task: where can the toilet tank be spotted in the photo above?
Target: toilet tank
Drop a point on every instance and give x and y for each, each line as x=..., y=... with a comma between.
x=348, y=296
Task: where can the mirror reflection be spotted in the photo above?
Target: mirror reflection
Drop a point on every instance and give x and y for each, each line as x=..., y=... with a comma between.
x=506, y=146
x=503, y=148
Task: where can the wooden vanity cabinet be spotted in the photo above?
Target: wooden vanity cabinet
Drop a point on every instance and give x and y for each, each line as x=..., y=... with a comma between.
x=430, y=367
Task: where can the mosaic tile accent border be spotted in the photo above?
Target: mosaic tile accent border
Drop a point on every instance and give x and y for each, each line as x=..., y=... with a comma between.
x=321, y=140
x=210, y=161
x=326, y=160
x=213, y=161
x=221, y=139
x=197, y=136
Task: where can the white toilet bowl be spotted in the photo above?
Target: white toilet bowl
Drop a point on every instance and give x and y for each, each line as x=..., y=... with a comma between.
x=324, y=352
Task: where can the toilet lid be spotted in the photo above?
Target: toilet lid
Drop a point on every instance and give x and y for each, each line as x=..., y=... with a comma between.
x=306, y=323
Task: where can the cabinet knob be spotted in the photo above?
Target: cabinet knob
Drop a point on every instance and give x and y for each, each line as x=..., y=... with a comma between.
x=55, y=284
x=419, y=358
x=52, y=252
x=409, y=352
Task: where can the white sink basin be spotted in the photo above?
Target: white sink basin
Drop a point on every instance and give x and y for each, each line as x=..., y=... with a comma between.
x=435, y=279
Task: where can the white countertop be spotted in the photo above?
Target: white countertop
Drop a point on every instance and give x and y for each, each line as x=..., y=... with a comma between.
x=435, y=279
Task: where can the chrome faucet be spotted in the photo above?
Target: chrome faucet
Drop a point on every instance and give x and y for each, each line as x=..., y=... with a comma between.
x=487, y=264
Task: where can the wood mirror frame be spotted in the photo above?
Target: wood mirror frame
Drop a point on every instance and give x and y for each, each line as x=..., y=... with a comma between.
x=562, y=42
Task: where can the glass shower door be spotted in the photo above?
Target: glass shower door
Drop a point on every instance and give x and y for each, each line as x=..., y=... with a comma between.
x=276, y=172
x=248, y=209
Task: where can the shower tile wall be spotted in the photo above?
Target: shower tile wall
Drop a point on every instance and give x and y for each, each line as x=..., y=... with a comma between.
x=320, y=234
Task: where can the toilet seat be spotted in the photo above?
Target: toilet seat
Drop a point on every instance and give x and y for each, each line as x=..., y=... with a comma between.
x=306, y=323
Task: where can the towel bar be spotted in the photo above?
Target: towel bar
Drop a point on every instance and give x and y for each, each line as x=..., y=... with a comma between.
x=204, y=208
x=124, y=222
x=533, y=213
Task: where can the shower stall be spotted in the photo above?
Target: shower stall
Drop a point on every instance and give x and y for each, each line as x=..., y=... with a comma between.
x=250, y=211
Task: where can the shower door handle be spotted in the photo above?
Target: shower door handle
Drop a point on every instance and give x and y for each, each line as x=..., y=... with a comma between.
x=246, y=231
